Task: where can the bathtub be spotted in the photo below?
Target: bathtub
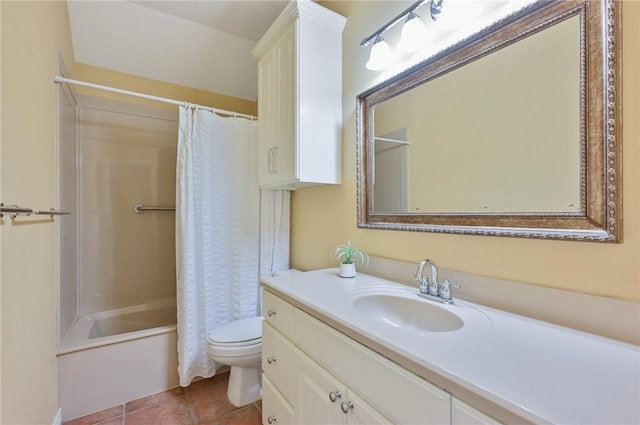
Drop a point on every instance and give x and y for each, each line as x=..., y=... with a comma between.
x=114, y=356
x=120, y=324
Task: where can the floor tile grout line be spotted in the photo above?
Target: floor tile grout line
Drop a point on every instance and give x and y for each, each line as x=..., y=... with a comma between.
x=192, y=413
x=181, y=399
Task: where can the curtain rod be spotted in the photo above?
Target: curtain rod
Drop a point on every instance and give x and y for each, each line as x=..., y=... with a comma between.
x=60, y=79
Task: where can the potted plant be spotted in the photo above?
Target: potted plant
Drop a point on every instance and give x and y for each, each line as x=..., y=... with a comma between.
x=347, y=255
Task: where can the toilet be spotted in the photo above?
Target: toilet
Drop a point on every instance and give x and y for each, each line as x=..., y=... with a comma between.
x=238, y=344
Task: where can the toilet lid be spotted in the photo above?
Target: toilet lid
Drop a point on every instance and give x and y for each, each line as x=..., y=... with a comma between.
x=238, y=332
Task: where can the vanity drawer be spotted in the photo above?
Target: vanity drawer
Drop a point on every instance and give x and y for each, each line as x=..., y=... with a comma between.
x=278, y=313
x=278, y=360
x=275, y=409
x=400, y=395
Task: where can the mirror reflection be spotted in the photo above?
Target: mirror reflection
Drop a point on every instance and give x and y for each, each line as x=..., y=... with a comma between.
x=501, y=134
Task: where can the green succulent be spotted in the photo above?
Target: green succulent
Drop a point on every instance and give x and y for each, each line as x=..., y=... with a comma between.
x=348, y=254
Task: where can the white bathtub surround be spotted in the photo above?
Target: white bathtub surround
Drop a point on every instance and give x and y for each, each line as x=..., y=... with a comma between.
x=97, y=378
x=120, y=324
x=515, y=369
x=126, y=155
x=217, y=231
x=117, y=287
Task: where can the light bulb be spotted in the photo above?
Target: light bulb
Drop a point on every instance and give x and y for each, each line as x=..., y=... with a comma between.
x=380, y=57
x=414, y=34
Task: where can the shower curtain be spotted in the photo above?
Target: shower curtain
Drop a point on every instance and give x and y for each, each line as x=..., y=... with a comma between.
x=223, y=236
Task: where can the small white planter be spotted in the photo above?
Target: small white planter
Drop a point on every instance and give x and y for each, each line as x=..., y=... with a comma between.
x=347, y=270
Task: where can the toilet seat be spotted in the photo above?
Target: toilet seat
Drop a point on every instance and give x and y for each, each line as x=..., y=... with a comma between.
x=239, y=333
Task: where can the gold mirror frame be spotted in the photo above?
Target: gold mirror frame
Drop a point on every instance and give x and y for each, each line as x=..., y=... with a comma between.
x=600, y=215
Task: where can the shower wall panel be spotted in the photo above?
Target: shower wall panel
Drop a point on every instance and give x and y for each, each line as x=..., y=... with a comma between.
x=127, y=156
x=67, y=188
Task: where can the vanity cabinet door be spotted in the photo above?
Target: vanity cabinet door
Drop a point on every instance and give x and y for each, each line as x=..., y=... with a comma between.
x=277, y=360
x=275, y=409
x=363, y=414
x=322, y=399
x=400, y=395
x=300, y=98
x=267, y=112
x=319, y=395
x=463, y=414
x=276, y=110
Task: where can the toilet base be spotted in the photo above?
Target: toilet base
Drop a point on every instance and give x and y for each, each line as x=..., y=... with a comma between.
x=245, y=385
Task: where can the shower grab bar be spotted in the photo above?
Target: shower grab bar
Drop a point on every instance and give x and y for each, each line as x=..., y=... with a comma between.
x=14, y=210
x=139, y=208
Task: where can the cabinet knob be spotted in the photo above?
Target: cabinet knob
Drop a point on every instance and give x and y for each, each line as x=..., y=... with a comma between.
x=345, y=406
x=334, y=396
x=271, y=312
x=271, y=359
x=272, y=419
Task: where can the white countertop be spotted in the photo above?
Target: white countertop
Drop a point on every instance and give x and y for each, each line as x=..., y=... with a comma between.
x=540, y=372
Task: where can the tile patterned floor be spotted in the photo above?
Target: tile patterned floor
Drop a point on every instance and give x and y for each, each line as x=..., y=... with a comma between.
x=202, y=403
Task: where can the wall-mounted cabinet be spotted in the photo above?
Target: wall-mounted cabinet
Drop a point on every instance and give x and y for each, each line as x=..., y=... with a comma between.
x=300, y=98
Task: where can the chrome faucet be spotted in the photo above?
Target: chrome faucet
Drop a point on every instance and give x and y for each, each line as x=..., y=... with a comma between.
x=430, y=288
x=427, y=286
x=422, y=280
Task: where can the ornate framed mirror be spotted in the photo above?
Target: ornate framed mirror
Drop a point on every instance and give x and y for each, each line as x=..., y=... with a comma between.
x=513, y=131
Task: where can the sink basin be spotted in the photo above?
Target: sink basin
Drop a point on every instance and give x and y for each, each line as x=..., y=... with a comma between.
x=406, y=312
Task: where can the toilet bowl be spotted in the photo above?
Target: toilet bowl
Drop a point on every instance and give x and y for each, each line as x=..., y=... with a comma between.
x=238, y=344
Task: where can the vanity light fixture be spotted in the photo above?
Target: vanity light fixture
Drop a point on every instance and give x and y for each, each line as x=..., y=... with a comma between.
x=380, y=57
x=413, y=38
x=435, y=8
x=414, y=34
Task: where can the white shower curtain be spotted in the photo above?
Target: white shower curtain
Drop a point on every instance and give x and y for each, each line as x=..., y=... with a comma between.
x=274, y=231
x=218, y=231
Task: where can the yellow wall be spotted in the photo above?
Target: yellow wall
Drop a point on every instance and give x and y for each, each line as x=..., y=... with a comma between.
x=323, y=217
x=131, y=82
x=30, y=33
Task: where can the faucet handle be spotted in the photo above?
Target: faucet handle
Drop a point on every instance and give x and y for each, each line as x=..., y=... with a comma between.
x=445, y=290
x=453, y=284
x=424, y=284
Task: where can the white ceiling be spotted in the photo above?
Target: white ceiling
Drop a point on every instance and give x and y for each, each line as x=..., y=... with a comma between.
x=201, y=44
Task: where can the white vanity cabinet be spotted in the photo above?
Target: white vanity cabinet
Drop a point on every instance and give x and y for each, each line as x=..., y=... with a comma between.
x=332, y=379
x=463, y=414
x=278, y=390
x=278, y=410
x=480, y=374
x=300, y=98
x=322, y=399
